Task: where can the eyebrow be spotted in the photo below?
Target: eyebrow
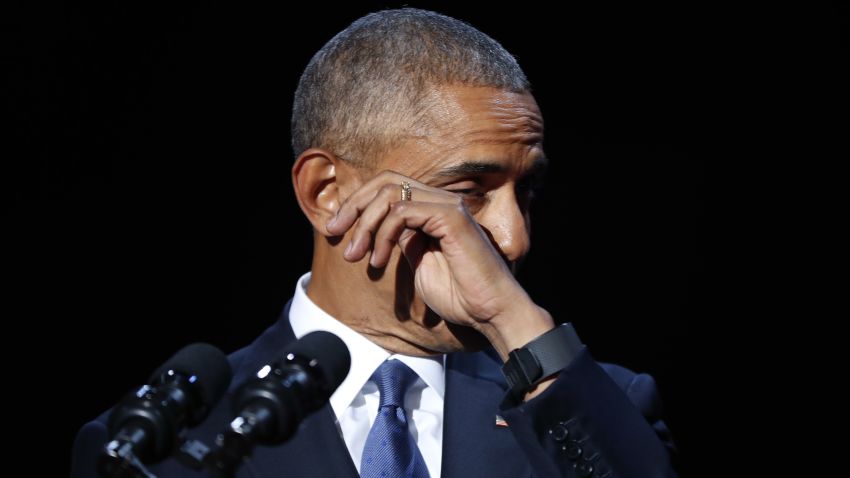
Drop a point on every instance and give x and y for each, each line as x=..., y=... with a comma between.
x=471, y=168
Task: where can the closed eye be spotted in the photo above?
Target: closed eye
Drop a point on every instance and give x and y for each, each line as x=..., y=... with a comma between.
x=474, y=195
x=466, y=192
x=468, y=187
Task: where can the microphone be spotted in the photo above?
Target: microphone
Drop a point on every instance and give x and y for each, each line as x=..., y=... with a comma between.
x=270, y=406
x=146, y=424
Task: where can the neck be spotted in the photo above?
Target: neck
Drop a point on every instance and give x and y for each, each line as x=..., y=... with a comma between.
x=340, y=289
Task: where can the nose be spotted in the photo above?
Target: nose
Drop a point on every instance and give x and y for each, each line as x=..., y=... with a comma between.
x=508, y=224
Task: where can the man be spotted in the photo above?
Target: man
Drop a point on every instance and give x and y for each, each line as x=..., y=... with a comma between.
x=417, y=141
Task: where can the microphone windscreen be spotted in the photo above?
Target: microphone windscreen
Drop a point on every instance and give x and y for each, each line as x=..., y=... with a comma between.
x=204, y=361
x=330, y=353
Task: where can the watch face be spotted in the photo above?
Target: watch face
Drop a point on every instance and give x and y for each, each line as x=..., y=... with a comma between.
x=530, y=365
x=521, y=370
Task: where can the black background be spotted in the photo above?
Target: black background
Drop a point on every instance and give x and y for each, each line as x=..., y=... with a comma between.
x=151, y=205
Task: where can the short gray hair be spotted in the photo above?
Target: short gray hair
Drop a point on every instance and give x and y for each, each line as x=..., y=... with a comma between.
x=367, y=88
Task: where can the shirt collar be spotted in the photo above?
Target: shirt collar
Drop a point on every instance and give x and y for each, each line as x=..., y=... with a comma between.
x=305, y=317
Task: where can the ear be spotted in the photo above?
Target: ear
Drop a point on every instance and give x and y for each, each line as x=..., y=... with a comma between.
x=322, y=181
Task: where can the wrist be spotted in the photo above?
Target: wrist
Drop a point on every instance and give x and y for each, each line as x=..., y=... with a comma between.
x=516, y=327
x=533, y=367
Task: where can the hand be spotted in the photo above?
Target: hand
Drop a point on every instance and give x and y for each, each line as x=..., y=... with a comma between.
x=457, y=271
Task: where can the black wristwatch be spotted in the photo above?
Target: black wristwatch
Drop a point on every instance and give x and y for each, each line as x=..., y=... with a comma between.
x=542, y=357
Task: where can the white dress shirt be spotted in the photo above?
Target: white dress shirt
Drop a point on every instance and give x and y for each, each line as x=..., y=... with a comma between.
x=355, y=402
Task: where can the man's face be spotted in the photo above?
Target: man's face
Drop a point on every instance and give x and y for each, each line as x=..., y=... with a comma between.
x=486, y=146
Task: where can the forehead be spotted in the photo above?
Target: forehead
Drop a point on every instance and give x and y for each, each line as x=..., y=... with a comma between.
x=473, y=124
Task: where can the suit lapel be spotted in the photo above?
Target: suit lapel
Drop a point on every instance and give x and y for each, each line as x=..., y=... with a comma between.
x=473, y=444
x=317, y=448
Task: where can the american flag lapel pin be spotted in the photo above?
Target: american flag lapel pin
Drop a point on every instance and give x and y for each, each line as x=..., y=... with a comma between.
x=500, y=422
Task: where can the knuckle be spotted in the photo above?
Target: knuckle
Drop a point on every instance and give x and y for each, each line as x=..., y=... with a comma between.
x=387, y=174
x=460, y=215
x=387, y=190
x=399, y=207
x=459, y=208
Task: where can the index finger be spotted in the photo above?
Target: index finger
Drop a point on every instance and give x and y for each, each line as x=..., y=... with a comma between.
x=354, y=205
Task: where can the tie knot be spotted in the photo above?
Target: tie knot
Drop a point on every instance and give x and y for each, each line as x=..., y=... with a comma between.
x=393, y=378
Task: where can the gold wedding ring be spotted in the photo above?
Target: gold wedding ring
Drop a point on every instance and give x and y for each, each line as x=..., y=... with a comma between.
x=406, y=192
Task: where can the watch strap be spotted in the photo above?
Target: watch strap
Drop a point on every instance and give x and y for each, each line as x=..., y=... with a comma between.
x=544, y=356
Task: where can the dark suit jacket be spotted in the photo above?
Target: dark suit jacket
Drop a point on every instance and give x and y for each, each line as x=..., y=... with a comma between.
x=612, y=416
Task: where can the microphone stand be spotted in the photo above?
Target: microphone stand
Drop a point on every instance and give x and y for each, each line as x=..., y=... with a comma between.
x=119, y=461
x=233, y=446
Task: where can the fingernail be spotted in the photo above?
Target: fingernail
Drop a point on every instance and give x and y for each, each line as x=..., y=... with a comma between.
x=331, y=223
x=349, y=248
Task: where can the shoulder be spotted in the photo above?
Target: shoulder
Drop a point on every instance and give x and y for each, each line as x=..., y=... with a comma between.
x=640, y=388
x=487, y=364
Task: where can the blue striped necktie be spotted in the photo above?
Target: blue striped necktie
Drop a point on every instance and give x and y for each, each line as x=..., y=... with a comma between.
x=390, y=451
